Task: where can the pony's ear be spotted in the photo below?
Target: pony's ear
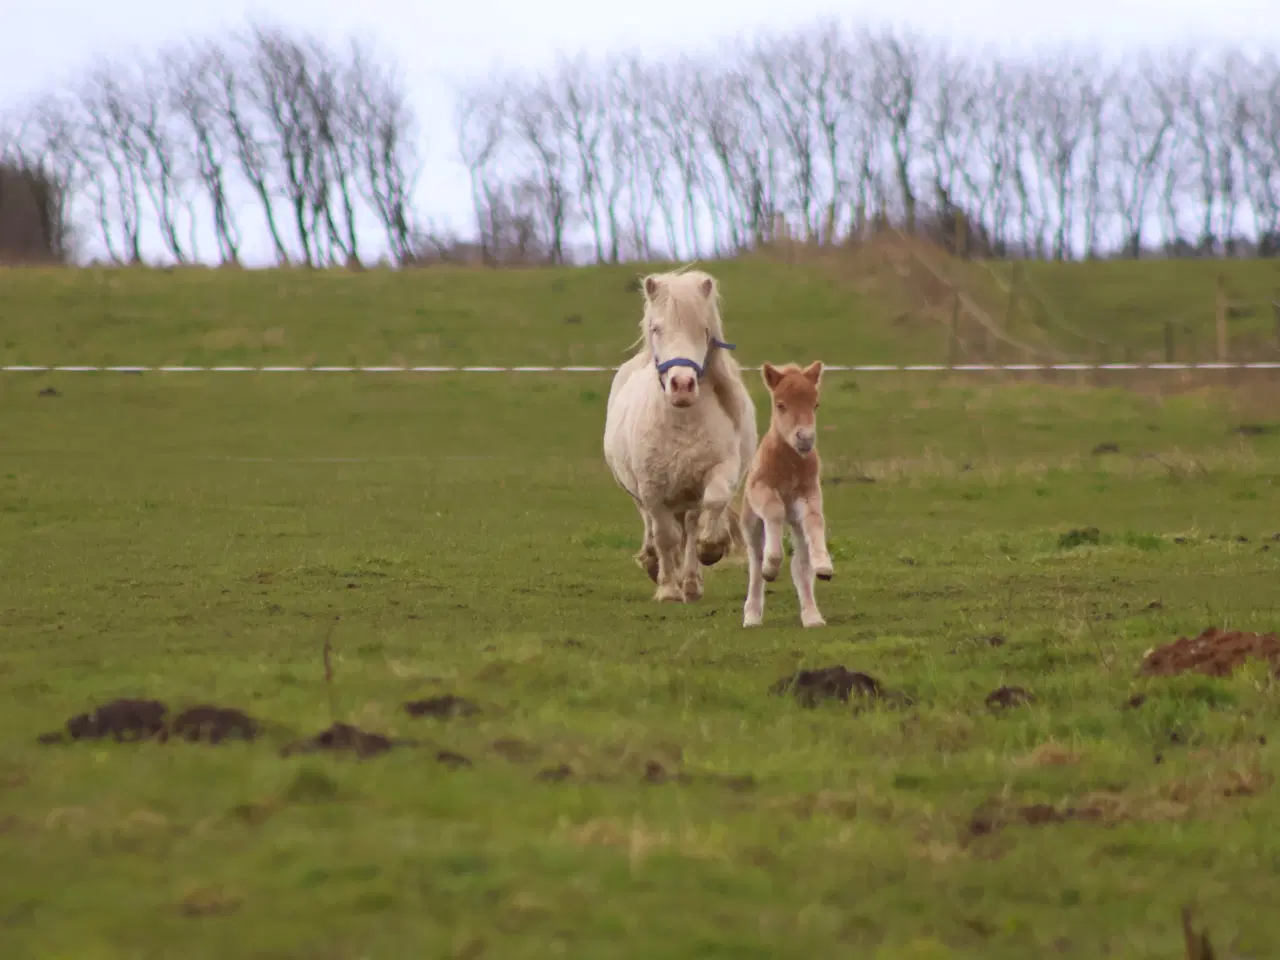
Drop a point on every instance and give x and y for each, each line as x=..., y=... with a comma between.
x=813, y=372
x=707, y=287
x=772, y=376
x=651, y=287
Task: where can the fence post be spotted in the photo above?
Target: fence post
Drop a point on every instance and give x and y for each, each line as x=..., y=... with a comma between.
x=953, y=345
x=1220, y=318
x=1275, y=305
x=1169, y=350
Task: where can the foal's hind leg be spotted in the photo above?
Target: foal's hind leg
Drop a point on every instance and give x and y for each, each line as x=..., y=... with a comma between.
x=647, y=558
x=802, y=575
x=691, y=580
x=753, y=534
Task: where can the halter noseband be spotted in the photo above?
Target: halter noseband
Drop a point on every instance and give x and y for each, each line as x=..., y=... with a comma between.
x=666, y=365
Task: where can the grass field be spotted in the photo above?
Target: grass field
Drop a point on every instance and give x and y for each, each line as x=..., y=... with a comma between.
x=196, y=538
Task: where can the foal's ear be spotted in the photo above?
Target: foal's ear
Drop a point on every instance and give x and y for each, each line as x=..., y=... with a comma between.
x=772, y=377
x=813, y=372
x=651, y=287
x=707, y=287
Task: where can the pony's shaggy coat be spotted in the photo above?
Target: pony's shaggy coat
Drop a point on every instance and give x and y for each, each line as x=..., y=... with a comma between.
x=680, y=444
x=784, y=486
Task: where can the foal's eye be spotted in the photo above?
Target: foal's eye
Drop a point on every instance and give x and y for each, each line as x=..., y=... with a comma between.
x=781, y=407
x=816, y=406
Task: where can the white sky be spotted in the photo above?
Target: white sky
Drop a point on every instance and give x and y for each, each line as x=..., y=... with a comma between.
x=46, y=42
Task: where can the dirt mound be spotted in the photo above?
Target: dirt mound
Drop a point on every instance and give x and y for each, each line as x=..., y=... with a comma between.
x=343, y=738
x=1002, y=698
x=207, y=723
x=125, y=719
x=811, y=687
x=445, y=707
x=133, y=720
x=1214, y=652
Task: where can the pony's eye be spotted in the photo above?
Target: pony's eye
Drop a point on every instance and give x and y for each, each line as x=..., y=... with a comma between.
x=781, y=407
x=816, y=406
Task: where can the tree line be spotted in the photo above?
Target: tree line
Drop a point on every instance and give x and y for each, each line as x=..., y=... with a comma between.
x=822, y=136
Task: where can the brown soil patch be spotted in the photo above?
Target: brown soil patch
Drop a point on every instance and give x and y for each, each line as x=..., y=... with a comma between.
x=133, y=720
x=838, y=682
x=122, y=720
x=454, y=761
x=210, y=724
x=1002, y=698
x=445, y=708
x=49, y=392
x=342, y=738
x=1217, y=653
x=516, y=750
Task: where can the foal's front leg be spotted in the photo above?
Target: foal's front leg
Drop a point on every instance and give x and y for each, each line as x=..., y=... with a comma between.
x=753, y=533
x=802, y=574
x=815, y=531
x=667, y=534
x=769, y=507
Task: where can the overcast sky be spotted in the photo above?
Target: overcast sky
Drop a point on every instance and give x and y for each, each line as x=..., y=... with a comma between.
x=46, y=42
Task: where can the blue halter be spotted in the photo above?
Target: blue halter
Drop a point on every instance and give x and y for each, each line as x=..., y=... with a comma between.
x=666, y=365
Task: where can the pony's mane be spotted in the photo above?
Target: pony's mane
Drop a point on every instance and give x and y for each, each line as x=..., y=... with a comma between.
x=677, y=291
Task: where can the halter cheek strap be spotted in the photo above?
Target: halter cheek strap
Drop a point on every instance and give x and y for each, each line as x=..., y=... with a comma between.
x=666, y=365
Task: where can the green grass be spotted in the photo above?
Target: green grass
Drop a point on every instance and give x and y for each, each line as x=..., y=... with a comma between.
x=193, y=538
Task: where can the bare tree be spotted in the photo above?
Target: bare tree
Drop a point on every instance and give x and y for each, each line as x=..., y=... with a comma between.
x=1141, y=127
x=193, y=77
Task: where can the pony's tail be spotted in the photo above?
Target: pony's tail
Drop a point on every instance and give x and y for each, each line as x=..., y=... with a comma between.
x=737, y=544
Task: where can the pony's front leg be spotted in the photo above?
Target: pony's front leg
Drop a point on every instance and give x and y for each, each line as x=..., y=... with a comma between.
x=753, y=534
x=647, y=558
x=691, y=579
x=667, y=534
x=714, y=536
x=815, y=531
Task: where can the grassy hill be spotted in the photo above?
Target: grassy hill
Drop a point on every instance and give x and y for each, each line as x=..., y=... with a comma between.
x=891, y=301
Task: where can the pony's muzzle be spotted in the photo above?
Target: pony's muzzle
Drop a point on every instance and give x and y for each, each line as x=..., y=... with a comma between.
x=804, y=441
x=682, y=388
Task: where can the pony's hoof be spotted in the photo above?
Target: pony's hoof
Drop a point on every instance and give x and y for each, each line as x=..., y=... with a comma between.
x=824, y=571
x=752, y=618
x=709, y=553
x=813, y=620
x=671, y=593
x=648, y=562
x=692, y=589
x=770, y=568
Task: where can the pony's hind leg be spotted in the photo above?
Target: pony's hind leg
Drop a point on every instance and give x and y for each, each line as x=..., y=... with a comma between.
x=667, y=536
x=802, y=576
x=714, y=536
x=691, y=570
x=647, y=558
x=753, y=535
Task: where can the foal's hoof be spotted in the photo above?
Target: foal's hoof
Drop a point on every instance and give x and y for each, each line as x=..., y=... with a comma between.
x=812, y=620
x=824, y=572
x=692, y=589
x=770, y=569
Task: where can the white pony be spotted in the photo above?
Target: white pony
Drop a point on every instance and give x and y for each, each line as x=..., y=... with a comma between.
x=680, y=431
